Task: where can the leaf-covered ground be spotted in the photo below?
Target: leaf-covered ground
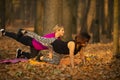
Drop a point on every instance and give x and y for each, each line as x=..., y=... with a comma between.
x=99, y=64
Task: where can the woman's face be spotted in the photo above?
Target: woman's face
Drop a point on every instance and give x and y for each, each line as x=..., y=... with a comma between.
x=61, y=32
x=81, y=41
x=84, y=42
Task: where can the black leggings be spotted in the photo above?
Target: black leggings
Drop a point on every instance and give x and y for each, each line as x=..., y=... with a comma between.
x=26, y=40
x=33, y=53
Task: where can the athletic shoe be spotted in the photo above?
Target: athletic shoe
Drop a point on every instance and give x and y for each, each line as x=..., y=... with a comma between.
x=2, y=31
x=18, y=54
x=20, y=32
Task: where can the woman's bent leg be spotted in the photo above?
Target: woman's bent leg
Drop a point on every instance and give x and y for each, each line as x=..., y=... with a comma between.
x=26, y=40
x=54, y=60
x=33, y=52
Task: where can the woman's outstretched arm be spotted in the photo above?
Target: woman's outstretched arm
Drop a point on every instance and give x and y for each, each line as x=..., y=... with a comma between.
x=71, y=46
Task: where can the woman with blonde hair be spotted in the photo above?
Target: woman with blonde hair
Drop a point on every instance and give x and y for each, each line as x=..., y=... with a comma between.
x=58, y=32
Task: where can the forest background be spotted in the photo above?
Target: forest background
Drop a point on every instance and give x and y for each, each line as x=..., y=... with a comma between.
x=100, y=18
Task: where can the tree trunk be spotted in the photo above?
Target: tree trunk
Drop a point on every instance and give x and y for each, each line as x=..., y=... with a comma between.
x=106, y=15
x=80, y=15
x=84, y=27
x=67, y=19
x=2, y=14
x=74, y=17
x=60, y=11
x=91, y=15
x=96, y=32
x=110, y=19
x=8, y=11
x=116, y=29
x=102, y=17
x=119, y=21
x=83, y=9
x=80, y=7
x=51, y=15
x=39, y=9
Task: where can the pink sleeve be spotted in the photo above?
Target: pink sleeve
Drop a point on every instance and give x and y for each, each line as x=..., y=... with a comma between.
x=50, y=35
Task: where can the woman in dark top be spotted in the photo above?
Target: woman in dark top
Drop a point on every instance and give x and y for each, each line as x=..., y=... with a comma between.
x=71, y=47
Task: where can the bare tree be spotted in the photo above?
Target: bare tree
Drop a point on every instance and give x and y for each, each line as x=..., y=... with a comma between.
x=9, y=11
x=91, y=15
x=106, y=15
x=50, y=15
x=95, y=27
x=82, y=13
x=119, y=22
x=110, y=19
x=74, y=17
x=38, y=13
x=2, y=14
x=60, y=11
x=116, y=29
x=102, y=17
x=67, y=19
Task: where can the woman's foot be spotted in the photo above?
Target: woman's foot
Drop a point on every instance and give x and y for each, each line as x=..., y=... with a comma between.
x=21, y=32
x=19, y=53
x=2, y=31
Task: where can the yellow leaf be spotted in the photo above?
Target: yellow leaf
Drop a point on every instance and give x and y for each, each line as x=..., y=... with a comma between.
x=88, y=59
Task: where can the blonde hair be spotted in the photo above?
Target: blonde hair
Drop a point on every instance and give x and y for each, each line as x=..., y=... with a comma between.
x=57, y=27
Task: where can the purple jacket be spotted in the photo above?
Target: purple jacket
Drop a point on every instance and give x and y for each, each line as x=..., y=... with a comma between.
x=39, y=46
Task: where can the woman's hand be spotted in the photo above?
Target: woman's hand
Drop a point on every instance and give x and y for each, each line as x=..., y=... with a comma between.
x=71, y=46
